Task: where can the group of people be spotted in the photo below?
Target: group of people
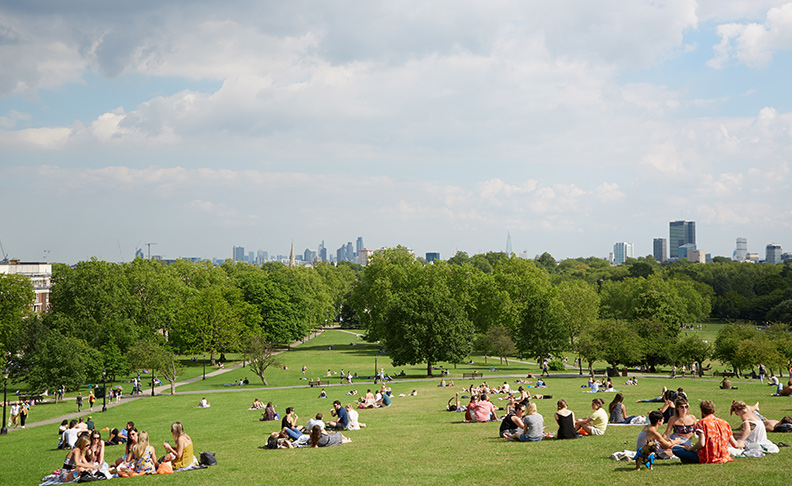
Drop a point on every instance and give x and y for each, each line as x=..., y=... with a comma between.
x=315, y=432
x=18, y=413
x=87, y=453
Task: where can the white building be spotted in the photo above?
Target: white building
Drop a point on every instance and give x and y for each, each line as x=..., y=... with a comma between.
x=40, y=274
x=621, y=252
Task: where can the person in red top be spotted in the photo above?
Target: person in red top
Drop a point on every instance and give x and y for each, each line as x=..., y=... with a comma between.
x=714, y=437
x=483, y=410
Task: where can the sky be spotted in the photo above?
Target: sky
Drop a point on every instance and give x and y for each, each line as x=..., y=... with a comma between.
x=442, y=126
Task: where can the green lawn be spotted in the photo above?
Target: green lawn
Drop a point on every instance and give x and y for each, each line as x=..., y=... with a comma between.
x=415, y=441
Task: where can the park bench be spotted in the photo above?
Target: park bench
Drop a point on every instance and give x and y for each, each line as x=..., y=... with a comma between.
x=36, y=397
x=472, y=376
x=730, y=374
x=314, y=383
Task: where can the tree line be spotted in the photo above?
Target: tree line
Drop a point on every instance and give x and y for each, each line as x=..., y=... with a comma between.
x=117, y=317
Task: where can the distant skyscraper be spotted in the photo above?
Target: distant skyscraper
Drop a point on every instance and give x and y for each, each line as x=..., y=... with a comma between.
x=322, y=252
x=340, y=254
x=621, y=252
x=358, y=245
x=685, y=250
x=349, y=253
x=508, y=244
x=680, y=233
x=660, y=249
x=251, y=258
x=239, y=253
x=432, y=256
x=773, y=253
x=741, y=251
x=292, y=260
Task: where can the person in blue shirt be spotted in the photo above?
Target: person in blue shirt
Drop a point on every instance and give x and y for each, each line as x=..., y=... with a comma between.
x=342, y=418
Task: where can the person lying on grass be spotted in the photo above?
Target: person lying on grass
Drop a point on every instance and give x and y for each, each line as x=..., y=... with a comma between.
x=455, y=407
x=596, y=423
x=321, y=439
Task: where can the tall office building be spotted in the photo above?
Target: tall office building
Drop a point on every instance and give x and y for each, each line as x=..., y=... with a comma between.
x=239, y=253
x=741, y=251
x=660, y=249
x=686, y=250
x=508, y=244
x=680, y=233
x=773, y=253
x=349, y=252
x=322, y=252
x=358, y=245
x=432, y=256
x=621, y=252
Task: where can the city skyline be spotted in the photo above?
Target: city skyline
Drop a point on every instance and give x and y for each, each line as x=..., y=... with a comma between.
x=197, y=126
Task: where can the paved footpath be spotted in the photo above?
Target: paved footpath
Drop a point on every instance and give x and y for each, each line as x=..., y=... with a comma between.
x=165, y=388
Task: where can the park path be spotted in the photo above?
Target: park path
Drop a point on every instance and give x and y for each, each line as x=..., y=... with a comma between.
x=164, y=388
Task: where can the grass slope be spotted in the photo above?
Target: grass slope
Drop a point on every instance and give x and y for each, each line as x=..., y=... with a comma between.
x=415, y=441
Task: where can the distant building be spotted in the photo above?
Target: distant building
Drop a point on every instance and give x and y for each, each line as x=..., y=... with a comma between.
x=432, y=256
x=680, y=233
x=786, y=256
x=309, y=255
x=40, y=275
x=621, y=252
x=741, y=251
x=697, y=256
x=508, y=244
x=363, y=256
x=752, y=257
x=251, y=258
x=358, y=246
x=773, y=254
x=238, y=253
x=684, y=250
x=139, y=253
x=322, y=252
x=660, y=249
x=261, y=257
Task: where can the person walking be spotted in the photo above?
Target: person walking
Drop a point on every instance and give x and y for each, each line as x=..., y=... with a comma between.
x=762, y=373
x=91, y=400
x=79, y=401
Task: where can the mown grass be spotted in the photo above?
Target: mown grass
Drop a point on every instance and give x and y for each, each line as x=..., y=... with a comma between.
x=415, y=441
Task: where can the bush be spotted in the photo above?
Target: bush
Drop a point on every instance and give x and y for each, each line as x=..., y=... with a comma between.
x=556, y=365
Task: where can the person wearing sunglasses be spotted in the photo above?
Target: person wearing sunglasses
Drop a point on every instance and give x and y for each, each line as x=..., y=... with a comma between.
x=682, y=424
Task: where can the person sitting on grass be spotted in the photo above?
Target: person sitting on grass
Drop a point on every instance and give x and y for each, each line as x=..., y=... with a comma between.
x=204, y=403
x=143, y=460
x=76, y=461
x=617, y=411
x=682, y=424
x=132, y=439
x=269, y=413
x=323, y=394
x=534, y=426
x=318, y=420
x=289, y=424
x=714, y=437
x=513, y=422
x=784, y=391
x=369, y=401
x=182, y=455
x=754, y=432
x=257, y=405
x=596, y=423
x=321, y=439
x=565, y=419
x=384, y=400
x=354, y=422
x=483, y=410
x=650, y=433
x=342, y=421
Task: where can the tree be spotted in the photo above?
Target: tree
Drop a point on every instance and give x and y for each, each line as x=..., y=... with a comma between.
x=209, y=322
x=496, y=342
x=64, y=360
x=260, y=353
x=580, y=306
x=547, y=262
x=148, y=354
x=425, y=323
x=728, y=342
x=16, y=303
x=690, y=349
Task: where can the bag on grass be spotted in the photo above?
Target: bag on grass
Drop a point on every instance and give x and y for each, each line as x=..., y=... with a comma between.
x=165, y=468
x=88, y=476
x=208, y=459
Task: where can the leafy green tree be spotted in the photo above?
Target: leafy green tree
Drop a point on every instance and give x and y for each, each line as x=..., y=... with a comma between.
x=16, y=304
x=580, y=306
x=64, y=360
x=149, y=354
x=496, y=342
x=727, y=345
x=460, y=258
x=781, y=312
x=260, y=353
x=214, y=320
x=692, y=349
x=426, y=324
x=546, y=261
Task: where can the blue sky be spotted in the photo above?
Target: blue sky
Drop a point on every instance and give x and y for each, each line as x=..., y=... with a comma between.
x=440, y=126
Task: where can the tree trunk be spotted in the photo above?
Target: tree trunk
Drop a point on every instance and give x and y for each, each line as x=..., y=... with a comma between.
x=501, y=360
x=428, y=368
x=211, y=358
x=173, y=386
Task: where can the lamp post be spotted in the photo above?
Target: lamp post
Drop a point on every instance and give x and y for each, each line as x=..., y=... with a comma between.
x=4, y=430
x=152, y=382
x=375, y=369
x=104, y=390
x=204, y=363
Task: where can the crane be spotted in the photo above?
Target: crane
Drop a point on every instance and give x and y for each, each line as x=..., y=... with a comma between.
x=3, y=254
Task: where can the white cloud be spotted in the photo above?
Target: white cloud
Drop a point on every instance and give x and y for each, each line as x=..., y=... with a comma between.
x=753, y=43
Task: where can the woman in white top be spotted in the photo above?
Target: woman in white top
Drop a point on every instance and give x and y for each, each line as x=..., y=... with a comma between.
x=353, y=415
x=753, y=434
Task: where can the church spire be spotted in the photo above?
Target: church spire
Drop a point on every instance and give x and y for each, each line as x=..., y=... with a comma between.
x=292, y=263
